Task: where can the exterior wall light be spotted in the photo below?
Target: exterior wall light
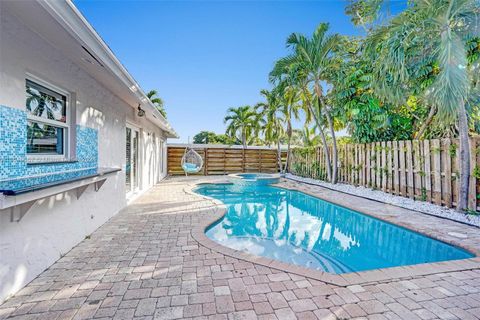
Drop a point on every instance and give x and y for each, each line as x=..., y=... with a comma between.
x=140, y=112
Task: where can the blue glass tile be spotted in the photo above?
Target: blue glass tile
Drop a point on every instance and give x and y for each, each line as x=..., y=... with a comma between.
x=13, y=141
x=28, y=184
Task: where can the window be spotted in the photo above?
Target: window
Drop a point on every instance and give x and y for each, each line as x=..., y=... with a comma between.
x=47, y=122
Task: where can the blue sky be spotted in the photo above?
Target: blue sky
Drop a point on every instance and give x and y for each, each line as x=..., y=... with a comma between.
x=204, y=57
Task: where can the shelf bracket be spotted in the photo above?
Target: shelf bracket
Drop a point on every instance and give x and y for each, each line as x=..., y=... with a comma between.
x=19, y=211
x=99, y=184
x=81, y=190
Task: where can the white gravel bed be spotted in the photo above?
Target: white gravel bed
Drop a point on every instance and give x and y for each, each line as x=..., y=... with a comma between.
x=420, y=206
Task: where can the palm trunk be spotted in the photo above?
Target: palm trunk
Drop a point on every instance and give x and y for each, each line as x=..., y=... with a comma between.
x=331, y=168
x=244, y=140
x=289, y=134
x=279, y=156
x=334, y=148
x=327, y=153
x=324, y=143
x=464, y=158
x=427, y=122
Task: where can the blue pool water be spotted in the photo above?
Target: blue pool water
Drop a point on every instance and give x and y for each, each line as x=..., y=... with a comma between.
x=254, y=178
x=296, y=228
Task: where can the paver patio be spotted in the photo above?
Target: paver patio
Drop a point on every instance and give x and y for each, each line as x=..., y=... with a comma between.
x=145, y=264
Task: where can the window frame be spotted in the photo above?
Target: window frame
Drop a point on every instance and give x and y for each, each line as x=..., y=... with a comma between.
x=35, y=158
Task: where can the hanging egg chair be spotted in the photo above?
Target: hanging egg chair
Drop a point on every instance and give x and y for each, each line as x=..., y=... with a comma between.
x=192, y=162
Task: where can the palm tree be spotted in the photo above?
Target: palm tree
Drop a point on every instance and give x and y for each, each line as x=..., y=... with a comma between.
x=205, y=137
x=157, y=102
x=311, y=104
x=291, y=107
x=243, y=122
x=309, y=138
x=273, y=130
x=431, y=32
x=314, y=59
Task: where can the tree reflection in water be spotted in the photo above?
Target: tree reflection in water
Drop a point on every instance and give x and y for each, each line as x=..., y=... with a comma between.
x=294, y=223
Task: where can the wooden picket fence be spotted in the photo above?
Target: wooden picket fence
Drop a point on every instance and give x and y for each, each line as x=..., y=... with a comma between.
x=426, y=170
x=222, y=159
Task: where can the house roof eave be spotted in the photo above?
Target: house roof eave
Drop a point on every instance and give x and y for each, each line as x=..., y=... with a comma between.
x=72, y=20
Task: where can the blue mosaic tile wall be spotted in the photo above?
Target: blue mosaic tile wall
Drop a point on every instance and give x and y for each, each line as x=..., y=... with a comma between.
x=13, y=146
x=12, y=143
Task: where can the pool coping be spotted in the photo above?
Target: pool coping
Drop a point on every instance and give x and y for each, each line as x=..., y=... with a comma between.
x=345, y=279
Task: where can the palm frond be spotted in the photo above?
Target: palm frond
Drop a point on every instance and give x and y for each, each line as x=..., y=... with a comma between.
x=452, y=83
x=152, y=93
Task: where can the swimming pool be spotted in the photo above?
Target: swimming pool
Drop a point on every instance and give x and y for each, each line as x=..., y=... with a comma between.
x=293, y=227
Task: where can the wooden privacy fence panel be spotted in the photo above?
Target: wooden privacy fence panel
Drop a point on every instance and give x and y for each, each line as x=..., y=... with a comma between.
x=426, y=170
x=226, y=160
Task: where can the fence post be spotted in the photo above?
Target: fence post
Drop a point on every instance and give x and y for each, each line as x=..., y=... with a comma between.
x=396, y=172
x=447, y=161
x=472, y=190
x=367, y=167
x=427, y=169
x=403, y=176
x=389, y=165
x=437, y=171
x=384, y=167
x=243, y=159
x=378, y=165
x=362, y=164
x=205, y=165
x=409, y=156
x=418, y=172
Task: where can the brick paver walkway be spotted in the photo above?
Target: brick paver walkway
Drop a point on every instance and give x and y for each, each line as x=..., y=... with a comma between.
x=145, y=264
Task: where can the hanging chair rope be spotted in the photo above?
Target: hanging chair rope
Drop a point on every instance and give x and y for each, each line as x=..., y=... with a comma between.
x=192, y=162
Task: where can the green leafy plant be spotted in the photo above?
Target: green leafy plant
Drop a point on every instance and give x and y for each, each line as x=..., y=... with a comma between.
x=452, y=150
x=471, y=212
x=424, y=194
x=476, y=172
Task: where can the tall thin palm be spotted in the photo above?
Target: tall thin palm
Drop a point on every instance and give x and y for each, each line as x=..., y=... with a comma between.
x=310, y=102
x=273, y=130
x=157, y=102
x=314, y=59
x=243, y=122
x=291, y=106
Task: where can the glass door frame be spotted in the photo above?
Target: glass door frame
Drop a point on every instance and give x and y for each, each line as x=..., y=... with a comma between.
x=134, y=160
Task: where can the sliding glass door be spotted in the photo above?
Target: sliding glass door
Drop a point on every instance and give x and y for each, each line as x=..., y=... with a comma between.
x=131, y=163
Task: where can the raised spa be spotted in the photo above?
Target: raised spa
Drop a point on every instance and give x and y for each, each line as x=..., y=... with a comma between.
x=297, y=228
x=254, y=178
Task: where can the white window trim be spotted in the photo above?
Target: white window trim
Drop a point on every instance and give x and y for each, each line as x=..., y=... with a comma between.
x=67, y=126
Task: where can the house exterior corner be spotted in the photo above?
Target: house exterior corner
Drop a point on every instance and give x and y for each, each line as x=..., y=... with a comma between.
x=66, y=107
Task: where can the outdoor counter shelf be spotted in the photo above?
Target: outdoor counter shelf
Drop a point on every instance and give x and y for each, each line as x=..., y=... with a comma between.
x=21, y=194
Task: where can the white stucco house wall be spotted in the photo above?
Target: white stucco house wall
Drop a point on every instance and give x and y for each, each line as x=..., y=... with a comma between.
x=79, y=139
